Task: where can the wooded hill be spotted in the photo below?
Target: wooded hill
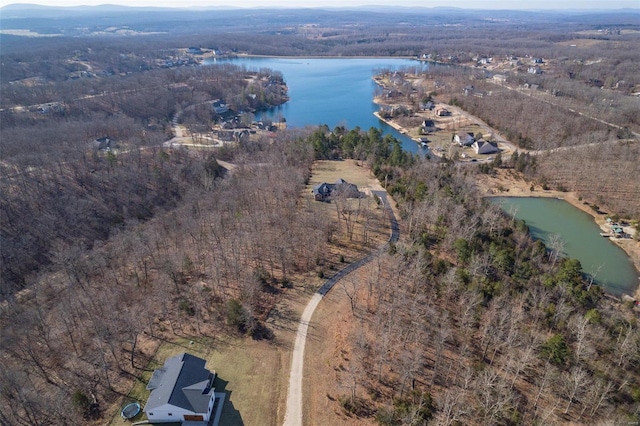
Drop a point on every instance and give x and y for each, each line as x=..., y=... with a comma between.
x=60, y=189
x=215, y=261
x=469, y=321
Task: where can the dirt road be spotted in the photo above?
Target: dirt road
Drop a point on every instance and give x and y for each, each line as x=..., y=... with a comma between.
x=293, y=414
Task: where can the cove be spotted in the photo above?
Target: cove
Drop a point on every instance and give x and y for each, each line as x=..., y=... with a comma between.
x=581, y=235
x=331, y=91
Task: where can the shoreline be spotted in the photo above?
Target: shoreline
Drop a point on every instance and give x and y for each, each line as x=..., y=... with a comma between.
x=518, y=187
x=247, y=55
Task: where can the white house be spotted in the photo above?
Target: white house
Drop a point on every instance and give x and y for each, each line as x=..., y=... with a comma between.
x=499, y=78
x=464, y=139
x=181, y=391
x=484, y=147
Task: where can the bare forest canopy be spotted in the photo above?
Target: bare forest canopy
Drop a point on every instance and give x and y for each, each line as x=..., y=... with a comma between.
x=228, y=240
x=60, y=188
x=470, y=322
x=467, y=319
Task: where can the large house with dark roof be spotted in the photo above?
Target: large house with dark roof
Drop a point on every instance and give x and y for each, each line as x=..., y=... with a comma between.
x=325, y=191
x=181, y=391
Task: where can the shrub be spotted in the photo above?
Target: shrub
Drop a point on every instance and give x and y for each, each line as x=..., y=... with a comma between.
x=80, y=401
x=235, y=313
x=187, y=307
x=555, y=350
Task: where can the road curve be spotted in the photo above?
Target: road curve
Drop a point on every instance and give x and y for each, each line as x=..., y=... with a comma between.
x=293, y=413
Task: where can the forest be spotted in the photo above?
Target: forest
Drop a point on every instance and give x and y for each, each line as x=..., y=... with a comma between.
x=470, y=321
x=106, y=254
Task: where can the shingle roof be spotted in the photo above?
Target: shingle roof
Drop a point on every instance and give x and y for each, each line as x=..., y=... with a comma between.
x=183, y=382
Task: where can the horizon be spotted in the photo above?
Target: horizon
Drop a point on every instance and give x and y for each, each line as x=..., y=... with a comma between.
x=519, y=5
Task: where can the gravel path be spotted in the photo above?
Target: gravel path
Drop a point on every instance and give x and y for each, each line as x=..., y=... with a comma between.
x=293, y=414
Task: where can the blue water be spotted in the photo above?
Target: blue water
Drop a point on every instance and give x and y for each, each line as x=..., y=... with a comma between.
x=340, y=91
x=581, y=236
x=331, y=91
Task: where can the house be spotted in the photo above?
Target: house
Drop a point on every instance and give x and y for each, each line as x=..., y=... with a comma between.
x=442, y=112
x=104, y=144
x=428, y=126
x=468, y=90
x=195, y=51
x=464, y=139
x=534, y=70
x=537, y=61
x=181, y=391
x=322, y=191
x=427, y=106
x=484, y=147
x=219, y=107
x=499, y=78
x=342, y=188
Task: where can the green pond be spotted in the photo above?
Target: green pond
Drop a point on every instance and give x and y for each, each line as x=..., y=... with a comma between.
x=599, y=256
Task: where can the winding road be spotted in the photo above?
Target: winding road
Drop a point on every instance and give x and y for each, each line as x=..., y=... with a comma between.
x=293, y=413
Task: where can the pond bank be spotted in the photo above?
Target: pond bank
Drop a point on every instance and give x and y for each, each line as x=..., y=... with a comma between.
x=505, y=184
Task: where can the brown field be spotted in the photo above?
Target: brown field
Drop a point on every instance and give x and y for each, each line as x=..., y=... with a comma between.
x=326, y=356
x=349, y=170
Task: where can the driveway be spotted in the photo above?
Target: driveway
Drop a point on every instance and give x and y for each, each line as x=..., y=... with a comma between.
x=293, y=413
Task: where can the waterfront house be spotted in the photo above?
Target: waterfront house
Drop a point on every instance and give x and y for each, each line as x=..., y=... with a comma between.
x=219, y=107
x=442, y=112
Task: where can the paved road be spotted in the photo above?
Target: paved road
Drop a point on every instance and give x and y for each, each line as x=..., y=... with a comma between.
x=293, y=413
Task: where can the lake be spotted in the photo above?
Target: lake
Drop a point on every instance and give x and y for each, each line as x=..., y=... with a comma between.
x=581, y=235
x=340, y=91
x=331, y=91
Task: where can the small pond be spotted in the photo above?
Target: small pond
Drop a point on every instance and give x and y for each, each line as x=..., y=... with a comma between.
x=599, y=256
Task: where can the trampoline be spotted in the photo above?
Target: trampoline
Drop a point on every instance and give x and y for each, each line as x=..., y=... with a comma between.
x=130, y=411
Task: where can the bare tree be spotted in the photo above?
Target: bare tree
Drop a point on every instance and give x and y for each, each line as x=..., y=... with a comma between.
x=557, y=246
x=575, y=382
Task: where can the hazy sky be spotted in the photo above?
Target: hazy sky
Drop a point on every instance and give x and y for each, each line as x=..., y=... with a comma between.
x=470, y=4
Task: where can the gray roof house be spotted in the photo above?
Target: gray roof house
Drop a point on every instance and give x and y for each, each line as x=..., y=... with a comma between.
x=324, y=191
x=464, y=139
x=181, y=391
x=484, y=147
x=104, y=144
